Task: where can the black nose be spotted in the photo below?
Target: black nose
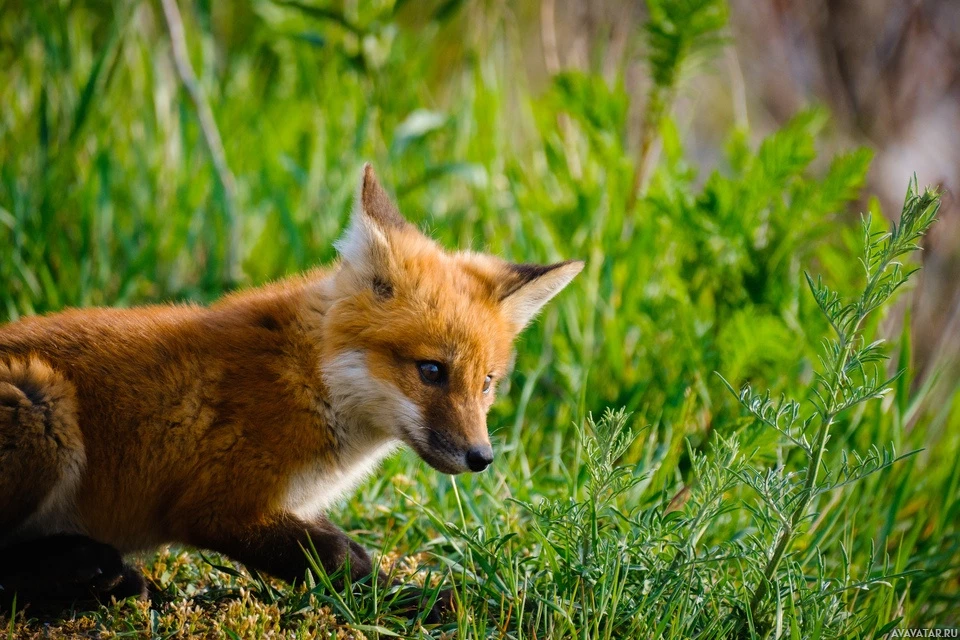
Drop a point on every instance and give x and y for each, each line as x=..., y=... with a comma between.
x=479, y=458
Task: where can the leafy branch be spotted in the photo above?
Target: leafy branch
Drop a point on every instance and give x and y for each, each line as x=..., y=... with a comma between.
x=849, y=376
x=854, y=467
x=677, y=33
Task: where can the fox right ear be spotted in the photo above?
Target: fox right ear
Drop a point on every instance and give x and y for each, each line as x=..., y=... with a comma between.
x=365, y=244
x=525, y=288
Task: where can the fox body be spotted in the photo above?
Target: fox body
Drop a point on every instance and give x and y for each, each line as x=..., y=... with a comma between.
x=234, y=427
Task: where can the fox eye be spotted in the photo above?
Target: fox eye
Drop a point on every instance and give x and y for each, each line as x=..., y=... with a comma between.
x=486, y=384
x=432, y=373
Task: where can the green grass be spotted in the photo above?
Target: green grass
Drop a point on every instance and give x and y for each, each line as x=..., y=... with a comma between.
x=633, y=494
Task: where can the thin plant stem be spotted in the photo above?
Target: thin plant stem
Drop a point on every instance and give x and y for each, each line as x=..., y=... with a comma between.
x=211, y=136
x=848, y=334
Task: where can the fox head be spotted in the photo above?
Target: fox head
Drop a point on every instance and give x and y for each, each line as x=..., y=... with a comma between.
x=416, y=338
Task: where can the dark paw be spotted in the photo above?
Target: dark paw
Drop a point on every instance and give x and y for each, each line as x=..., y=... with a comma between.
x=64, y=569
x=90, y=565
x=443, y=606
x=131, y=584
x=419, y=602
x=59, y=561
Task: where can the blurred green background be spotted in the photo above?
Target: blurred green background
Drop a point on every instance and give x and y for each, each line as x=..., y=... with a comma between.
x=699, y=172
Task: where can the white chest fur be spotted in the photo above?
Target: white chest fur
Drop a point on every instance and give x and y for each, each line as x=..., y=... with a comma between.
x=316, y=488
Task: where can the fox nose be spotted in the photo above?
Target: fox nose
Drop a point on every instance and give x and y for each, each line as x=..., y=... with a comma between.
x=479, y=458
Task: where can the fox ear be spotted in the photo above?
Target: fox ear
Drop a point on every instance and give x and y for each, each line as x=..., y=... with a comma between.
x=365, y=244
x=528, y=287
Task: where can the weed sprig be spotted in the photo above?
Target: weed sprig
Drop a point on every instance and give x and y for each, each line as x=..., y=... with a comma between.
x=850, y=375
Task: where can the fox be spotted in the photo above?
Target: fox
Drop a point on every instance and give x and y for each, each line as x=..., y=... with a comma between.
x=235, y=427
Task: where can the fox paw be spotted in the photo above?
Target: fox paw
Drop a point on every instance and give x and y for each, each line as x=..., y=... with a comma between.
x=62, y=569
x=131, y=584
x=90, y=564
x=443, y=606
x=415, y=601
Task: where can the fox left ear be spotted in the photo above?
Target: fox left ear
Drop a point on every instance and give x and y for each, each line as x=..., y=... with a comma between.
x=365, y=244
x=528, y=287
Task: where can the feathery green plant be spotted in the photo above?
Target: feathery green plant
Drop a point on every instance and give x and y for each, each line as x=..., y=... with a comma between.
x=850, y=375
x=678, y=33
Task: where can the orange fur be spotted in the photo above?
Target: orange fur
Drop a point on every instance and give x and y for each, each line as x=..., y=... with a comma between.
x=180, y=423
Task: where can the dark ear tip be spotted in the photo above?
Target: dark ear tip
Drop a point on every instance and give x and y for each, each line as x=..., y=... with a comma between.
x=524, y=273
x=370, y=181
x=574, y=265
x=376, y=203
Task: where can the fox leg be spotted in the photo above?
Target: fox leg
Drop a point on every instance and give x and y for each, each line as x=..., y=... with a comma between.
x=42, y=457
x=57, y=570
x=280, y=549
x=277, y=547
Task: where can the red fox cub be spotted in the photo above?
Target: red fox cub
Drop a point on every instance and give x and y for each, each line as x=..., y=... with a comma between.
x=234, y=427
